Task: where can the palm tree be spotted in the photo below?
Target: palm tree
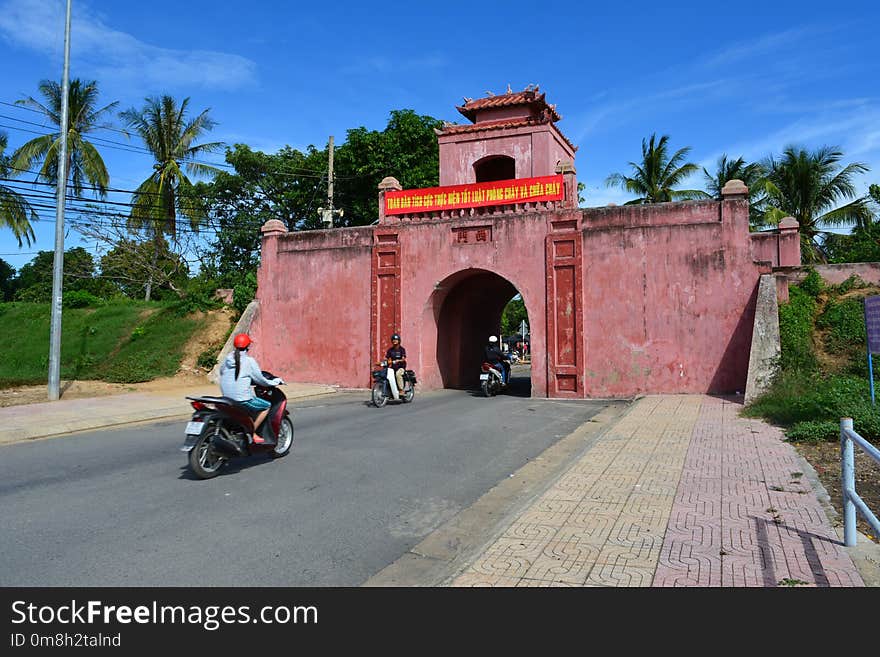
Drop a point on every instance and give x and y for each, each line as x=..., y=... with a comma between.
x=169, y=136
x=84, y=163
x=657, y=174
x=752, y=175
x=15, y=212
x=807, y=186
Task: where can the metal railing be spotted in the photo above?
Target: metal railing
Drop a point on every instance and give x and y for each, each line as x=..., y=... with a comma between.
x=851, y=499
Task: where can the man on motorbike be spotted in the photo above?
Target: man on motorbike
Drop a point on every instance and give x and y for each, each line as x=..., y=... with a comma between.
x=238, y=373
x=496, y=358
x=396, y=358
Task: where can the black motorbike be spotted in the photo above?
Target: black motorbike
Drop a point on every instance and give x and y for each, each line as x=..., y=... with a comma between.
x=381, y=391
x=222, y=429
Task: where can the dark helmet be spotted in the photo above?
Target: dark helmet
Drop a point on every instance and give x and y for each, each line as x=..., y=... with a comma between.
x=395, y=337
x=242, y=341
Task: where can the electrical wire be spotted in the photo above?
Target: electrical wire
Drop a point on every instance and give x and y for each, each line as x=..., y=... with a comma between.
x=292, y=171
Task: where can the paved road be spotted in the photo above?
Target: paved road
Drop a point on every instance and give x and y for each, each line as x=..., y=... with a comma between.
x=361, y=486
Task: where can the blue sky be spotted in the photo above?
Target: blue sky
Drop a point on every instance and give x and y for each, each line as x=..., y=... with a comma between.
x=744, y=78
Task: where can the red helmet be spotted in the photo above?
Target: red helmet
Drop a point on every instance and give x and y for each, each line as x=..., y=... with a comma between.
x=242, y=341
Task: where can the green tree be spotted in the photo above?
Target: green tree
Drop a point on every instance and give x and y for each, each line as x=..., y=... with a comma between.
x=654, y=178
x=170, y=136
x=752, y=174
x=15, y=211
x=513, y=316
x=290, y=185
x=808, y=185
x=34, y=280
x=129, y=266
x=861, y=245
x=874, y=193
x=406, y=149
x=287, y=186
x=7, y=281
x=84, y=163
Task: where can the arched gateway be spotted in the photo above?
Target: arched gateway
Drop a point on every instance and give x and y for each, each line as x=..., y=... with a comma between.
x=621, y=300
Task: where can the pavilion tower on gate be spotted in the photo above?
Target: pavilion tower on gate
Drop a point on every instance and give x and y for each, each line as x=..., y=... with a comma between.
x=512, y=135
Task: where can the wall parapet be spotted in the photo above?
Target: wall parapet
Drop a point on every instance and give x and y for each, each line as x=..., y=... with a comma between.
x=653, y=214
x=317, y=240
x=781, y=247
x=837, y=273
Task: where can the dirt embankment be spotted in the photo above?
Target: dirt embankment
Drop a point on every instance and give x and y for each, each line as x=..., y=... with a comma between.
x=216, y=326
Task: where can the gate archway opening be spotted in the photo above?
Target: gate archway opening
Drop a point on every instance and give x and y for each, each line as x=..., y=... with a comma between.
x=468, y=308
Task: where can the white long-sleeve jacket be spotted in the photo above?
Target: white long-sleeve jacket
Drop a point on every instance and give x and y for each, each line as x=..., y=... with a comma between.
x=249, y=373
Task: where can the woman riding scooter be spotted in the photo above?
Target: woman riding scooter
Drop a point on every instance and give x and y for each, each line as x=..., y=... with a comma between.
x=238, y=373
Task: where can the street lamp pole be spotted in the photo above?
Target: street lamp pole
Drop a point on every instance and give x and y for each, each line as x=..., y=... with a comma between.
x=58, y=262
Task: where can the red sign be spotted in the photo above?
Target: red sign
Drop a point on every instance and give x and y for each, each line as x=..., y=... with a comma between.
x=455, y=197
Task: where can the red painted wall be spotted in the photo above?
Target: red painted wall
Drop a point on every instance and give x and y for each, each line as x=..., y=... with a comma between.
x=314, y=294
x=670, y=292
x=636, y=299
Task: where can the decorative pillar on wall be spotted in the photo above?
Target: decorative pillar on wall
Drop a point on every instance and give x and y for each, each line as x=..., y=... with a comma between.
x=268, y=273
x=569, y=183
x=385, y=303
x=388, y=184
x=565, y=309
x=789, y=243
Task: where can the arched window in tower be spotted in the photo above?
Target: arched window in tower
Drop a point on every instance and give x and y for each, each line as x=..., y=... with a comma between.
x=495, y=167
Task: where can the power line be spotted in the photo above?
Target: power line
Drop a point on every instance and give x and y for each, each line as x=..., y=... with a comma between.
x=293, y=171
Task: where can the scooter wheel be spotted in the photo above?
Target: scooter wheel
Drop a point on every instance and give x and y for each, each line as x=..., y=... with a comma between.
x=285, y=439
x=203, y=459
x=484, y=386
x=379, y=396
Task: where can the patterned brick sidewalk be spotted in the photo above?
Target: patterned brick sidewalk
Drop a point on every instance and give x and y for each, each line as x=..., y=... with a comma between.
x=680, y=492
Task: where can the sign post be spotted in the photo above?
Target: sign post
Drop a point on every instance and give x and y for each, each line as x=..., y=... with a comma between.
x=872, y=329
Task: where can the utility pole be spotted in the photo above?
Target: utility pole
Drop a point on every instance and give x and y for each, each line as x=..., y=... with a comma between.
x=328, y=212
x=58, y=262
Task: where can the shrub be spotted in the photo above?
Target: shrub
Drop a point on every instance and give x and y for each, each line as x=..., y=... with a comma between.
x=845, y=322
x=813, y=431
x=207, y=359
x=799, y=397
x=243, y=293
x=812, y=283
x=796, y=331
x=79, y=299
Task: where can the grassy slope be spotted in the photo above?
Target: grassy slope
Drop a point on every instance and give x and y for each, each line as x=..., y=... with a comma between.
x=120, y=342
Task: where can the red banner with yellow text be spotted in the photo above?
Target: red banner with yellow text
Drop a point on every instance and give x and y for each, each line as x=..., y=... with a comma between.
x=455, y=197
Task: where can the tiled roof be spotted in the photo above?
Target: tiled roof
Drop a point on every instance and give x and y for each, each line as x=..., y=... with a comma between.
x=455, y=129
x=528, y=97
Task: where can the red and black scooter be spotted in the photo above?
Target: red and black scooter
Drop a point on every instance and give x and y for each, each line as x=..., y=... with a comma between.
x=221, y=429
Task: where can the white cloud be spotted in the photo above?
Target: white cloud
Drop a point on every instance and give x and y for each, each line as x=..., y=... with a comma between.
x=622, y=109
x=107, y=53
x=379, y=64
x=760, y=47
x=852, y=128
